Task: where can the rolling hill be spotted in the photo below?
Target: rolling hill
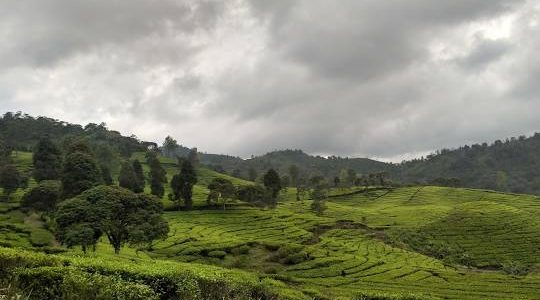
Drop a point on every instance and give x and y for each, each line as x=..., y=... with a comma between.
x=381, y=243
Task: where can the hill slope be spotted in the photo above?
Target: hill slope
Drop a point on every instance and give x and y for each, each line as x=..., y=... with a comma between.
x=512, y=165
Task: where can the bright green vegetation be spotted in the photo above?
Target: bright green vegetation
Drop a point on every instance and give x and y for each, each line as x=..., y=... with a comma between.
x=360, y=244
x=415, y=242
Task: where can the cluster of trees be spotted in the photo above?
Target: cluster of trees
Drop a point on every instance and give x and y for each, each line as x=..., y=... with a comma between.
x=78, y=200
x=512, y=165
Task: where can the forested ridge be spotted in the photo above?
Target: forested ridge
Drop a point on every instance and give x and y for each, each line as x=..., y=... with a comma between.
x=512, y=165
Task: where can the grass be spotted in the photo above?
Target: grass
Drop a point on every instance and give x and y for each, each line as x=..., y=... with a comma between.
x=403, y=243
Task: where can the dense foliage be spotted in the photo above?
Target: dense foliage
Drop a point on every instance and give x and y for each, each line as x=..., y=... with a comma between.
x=124, y=217
x=512, y=165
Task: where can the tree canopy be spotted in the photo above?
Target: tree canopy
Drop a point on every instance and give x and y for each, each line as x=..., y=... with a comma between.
x=121, y=215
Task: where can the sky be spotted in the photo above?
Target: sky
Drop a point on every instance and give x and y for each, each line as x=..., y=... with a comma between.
x=390, y=79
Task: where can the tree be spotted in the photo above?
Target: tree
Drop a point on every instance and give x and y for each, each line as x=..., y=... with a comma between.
x=272, y=182
x=5, y=152
x=294, y=173
x=78, y=224
x=336, y=181
x=186, y=180
x=127, y=178
x=10, y=179
x=158, y=175
x=169, y=146
x=344, y=178
x=193, y=157
x=220, y=189
x=351, y=176
x=254, y=194
x=47, y=159
x=319, y=194
x=44, y=197
x=252, y=174
x=123, y=216
x=80, y=173
x=139, y=173
x=106, y=175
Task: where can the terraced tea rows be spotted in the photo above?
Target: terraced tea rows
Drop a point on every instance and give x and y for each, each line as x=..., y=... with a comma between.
x=344, y=252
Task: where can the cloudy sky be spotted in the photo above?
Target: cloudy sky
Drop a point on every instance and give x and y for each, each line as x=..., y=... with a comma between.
x=387, y=79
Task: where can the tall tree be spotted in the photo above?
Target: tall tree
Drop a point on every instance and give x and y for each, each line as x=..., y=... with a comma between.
x=5, y=152
x=47, y=159
x=193, y=157
x=158, y=175
x=294, y=173
x=127, y=178
x=80, y=170
x=272, y=182
x=139, y=173
x=123, y=216
x=170, y=145
x=187, y=179
x=10, y=179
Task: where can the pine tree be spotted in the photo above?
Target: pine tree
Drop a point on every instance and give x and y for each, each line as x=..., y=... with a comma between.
x=47, y=159
x=127, y=178
x=158, y=175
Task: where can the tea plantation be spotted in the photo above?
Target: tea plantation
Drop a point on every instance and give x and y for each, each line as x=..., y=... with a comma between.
x=380, y=243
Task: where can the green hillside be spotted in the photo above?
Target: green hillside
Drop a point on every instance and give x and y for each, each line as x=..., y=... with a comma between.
x=417, y=242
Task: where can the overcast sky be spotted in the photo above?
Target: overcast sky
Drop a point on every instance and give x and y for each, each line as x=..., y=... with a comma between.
x=384, y=79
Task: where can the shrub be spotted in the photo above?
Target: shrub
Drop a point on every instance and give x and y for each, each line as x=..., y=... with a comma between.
x=41, y=237
x=217, y=254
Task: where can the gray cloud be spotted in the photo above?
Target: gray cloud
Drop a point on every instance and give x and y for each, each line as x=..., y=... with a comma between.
x=387, y=79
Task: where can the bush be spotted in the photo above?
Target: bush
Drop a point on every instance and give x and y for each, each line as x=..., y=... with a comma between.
x=217, y=254
x=244, y=249
x=41, y=237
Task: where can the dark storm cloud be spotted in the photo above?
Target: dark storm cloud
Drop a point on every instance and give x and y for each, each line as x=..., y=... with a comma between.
x=388, y=79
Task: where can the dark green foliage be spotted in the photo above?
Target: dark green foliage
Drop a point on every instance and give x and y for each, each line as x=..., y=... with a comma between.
x=137, y=167
x=80, y=172
x=10, y=179
x=220, y=189
x=128, y=179
x=123, y=216
x=44, y=197
x=47, y=160
x=254, y=194
x=106, y=175
x=252, y=174
x=272, y=182
x=5, y=152
x=183, y=185
x=15, y=129
x=319, y=194
x=78, y=223
x=217, y=254
x=158, y=175
x=512, y=165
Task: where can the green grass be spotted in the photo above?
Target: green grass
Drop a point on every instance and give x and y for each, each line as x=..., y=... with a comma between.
x=415, y=242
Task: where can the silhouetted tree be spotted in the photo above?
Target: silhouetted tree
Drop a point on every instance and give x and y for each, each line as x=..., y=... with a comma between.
x=272, y=182
x=187, y=179
x=139, y=173
x=127, y=178
x=10, y=179
x=47, y=160
x=158, y=175
x=80, y=171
